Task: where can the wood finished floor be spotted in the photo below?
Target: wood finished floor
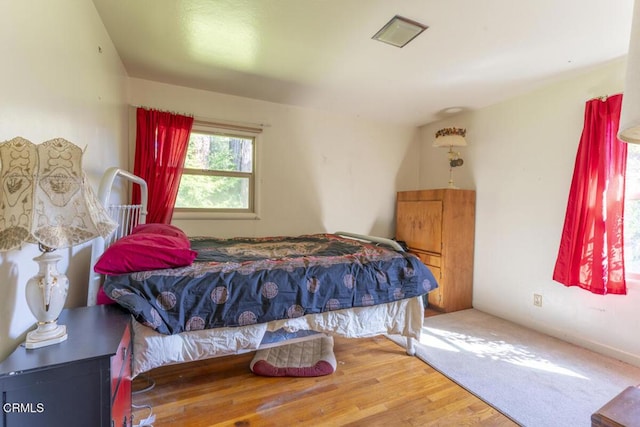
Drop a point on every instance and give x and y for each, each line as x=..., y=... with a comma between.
x=375, y=384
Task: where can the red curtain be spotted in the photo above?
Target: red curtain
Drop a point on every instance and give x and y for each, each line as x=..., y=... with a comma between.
x=591, y=248
x=161, y=147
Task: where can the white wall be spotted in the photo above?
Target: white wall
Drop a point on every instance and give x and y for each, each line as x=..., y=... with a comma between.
x=54, y=82
x=319, y=172
x=322, y=172
x=520, y=160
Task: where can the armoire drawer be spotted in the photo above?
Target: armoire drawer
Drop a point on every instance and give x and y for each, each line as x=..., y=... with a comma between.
x=430, y=259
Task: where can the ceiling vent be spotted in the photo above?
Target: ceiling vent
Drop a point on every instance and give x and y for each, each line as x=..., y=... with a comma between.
x=399, y=31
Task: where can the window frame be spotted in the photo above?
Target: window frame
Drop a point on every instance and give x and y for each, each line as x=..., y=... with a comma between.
x=632, y=277
x=252, y=212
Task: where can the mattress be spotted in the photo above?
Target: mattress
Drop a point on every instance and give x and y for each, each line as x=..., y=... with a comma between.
x=253, y=281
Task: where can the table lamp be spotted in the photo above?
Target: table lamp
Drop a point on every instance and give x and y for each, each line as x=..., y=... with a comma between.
x=46, y=199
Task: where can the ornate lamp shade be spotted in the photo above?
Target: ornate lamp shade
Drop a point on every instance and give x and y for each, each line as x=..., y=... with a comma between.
x=45, y=198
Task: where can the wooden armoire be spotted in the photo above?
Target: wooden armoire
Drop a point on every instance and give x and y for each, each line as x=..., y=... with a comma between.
x=439, y=227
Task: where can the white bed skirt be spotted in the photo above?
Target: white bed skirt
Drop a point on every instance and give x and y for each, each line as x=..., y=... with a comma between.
x=152, y=350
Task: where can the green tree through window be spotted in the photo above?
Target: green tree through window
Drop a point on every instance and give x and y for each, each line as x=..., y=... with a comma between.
x=218, y=173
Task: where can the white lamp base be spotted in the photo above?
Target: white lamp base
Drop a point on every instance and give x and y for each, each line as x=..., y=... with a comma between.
x=46, y=294
x=46, y=334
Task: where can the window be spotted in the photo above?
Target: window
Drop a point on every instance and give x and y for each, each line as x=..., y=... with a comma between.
x=632, y=213
x=219, y=172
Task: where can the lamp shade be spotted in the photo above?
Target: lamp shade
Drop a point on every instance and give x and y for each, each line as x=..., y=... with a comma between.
x=629, y=130
x=45, y=197
x=450, y=137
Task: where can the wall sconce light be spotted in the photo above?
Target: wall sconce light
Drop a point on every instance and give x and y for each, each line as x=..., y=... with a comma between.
x=451, y=137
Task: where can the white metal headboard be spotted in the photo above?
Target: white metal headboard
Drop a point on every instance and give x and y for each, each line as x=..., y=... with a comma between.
x=127, y=217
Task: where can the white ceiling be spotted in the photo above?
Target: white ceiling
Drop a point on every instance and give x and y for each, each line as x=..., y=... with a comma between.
x=319, y=53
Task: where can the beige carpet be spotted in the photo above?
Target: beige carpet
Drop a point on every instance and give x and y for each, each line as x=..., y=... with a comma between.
x=535, y=379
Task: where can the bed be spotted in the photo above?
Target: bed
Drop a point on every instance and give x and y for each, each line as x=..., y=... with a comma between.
x=199, y=297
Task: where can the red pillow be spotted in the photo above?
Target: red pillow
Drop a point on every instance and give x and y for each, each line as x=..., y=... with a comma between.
x=103, y=298
x=145, y=251
x=163, y=229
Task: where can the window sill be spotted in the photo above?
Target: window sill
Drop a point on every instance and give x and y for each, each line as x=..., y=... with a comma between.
x=215, y=215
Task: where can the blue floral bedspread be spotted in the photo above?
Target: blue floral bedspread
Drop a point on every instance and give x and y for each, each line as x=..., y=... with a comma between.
x=243, y=281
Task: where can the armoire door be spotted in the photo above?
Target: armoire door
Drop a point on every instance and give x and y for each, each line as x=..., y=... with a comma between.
x=419, y=224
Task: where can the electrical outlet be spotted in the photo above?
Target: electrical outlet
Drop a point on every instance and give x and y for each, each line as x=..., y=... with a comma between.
x=537, y=300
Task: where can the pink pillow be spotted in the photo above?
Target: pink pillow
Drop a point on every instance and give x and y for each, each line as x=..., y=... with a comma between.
x=163, y=229
x=145, y=251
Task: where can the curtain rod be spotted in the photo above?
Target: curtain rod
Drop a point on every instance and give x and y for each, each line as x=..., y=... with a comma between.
x=222, y=123
x=231, y=125
x=162, y=111
x=603, y=97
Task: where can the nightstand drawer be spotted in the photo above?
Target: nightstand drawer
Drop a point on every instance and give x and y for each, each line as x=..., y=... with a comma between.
x=66, y=395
